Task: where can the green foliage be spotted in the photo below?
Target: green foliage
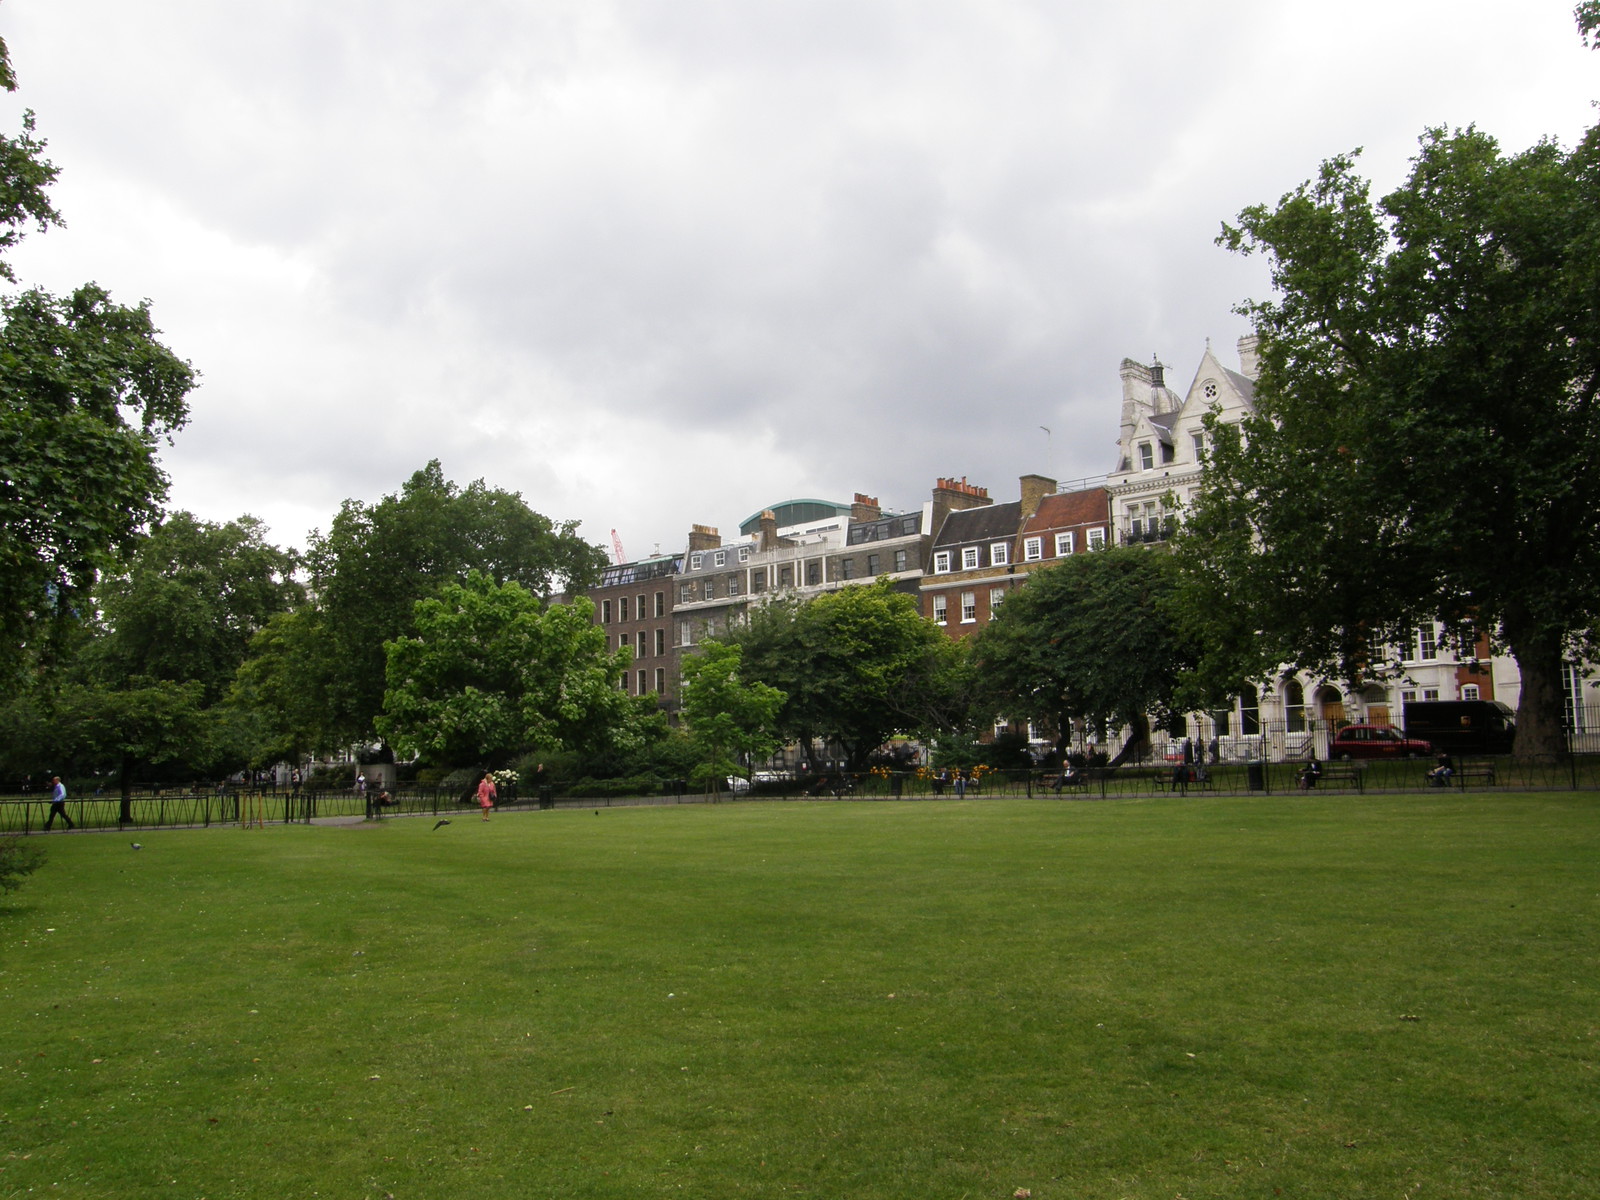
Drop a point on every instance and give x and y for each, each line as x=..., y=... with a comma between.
x=1093, y=639
x=375, y=562
x=492, y=671
x=87, y=391
x=1587, y=15
x=19, y=858
x=857, y=666
x=1427, y=430
x=731, y=719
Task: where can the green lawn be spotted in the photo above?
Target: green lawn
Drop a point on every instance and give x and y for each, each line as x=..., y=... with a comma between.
x=1255, y=997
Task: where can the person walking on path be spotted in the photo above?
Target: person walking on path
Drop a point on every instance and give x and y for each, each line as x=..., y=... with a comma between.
x=58, y=803
x=486, y=794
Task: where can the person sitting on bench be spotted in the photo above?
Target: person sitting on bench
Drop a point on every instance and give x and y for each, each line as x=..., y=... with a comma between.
x=1442, y=771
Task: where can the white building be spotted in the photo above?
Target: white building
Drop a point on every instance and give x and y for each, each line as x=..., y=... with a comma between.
x=1160, y=459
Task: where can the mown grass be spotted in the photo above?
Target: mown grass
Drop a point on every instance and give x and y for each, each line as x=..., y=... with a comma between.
x=1305, y=997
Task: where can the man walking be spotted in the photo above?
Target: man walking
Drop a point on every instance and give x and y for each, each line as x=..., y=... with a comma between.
x=58, y=803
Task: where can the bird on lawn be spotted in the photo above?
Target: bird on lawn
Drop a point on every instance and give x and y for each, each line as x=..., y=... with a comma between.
x=136, y=845
x=441, y=821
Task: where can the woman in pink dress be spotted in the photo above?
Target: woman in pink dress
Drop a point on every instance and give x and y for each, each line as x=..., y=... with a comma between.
x=486, y=794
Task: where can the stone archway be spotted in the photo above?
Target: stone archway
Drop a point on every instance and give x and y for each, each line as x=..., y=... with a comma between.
x=1330, y=704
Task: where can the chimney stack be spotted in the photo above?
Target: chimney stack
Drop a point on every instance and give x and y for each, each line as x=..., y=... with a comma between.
x=704, y=537
x=865, y=508
x=1034, y=489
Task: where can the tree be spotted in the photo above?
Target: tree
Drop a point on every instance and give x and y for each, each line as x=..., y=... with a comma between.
x=1587, y=14
x=1095, y=639
x=493, y=671
x=1426, y=442
x=377, y=561
x=87, y=392
x=856, y=666
x=731, y=719
x=176, y=619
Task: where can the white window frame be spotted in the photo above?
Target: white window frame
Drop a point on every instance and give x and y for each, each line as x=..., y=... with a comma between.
x=941, y=609
x=941, y=563
x=969, y=558
x=997, y=597
x=1096, y=539
x=1427, y=643
x=1470, y=691
x=719, y=559
x=744, y=553
x=1064, y=544
x=1032, y=549
x=999, y=554
x=1147, y=456
x=969, y=608
x=694, y=562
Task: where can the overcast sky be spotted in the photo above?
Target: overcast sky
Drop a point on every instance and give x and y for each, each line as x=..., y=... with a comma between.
x=656, y=262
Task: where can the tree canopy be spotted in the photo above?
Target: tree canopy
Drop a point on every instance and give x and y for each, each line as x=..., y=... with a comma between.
x=492, y=671
x=87, y=392
x=731, y=720
x=856, y=666
x=1092, y=639
x=376, y=561
x=1426, y=441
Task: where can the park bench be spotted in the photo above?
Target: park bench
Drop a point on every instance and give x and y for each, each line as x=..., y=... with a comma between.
x=1338, y=775
x=1479, y=772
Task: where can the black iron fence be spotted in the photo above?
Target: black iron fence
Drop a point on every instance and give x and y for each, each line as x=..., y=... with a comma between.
x=156, y=808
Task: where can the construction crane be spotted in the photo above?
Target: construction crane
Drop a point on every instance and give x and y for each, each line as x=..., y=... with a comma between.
x=616, y=548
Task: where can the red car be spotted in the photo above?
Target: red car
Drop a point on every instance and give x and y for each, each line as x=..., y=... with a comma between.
x=1377, y=741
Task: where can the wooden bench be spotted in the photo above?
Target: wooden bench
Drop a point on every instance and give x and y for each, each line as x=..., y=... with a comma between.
x=1481, y=772
x=1165, y=781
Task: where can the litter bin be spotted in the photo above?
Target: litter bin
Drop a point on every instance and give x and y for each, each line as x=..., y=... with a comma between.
x=547, y=797
x=1256, y=772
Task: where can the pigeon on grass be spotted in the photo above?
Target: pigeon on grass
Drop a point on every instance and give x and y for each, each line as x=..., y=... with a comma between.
x=441, y=821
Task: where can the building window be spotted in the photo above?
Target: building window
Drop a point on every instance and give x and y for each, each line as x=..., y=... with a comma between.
x=1427, y=642
x=638, y=609
x=941, y=563
x=1294, y=706
x=969, y=558
x=744, y=553
x=872, y=566
x=719, y=559
x=999, y=554
x=786, y=576
x=622, y=641
x=733, y=585
x=1147, y=456
x=605, y=612
x=1469, y=691
x=969, y=607
x=640, y=648
x=997, y=597
x=899, y=560
x=1063, y=544
x=685, y=633
x=644, y=677
x=694, y=562
x=661, y=604
x=661, y=642
x=622, y=609
x=847, y=568
x=1032, y=549
x=1199, y=440
x=813, y=573
x=710, y=588
x=1097, y=538
x=1249, y=712
x=941, y=604
x=1430, y=693
x=661, y=680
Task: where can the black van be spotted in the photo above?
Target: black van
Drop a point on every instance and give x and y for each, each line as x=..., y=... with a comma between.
x=1462, y=726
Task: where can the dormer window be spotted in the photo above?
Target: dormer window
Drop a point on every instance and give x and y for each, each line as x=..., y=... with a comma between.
x=1147, y=456
x=999, y=554
x=969, y=558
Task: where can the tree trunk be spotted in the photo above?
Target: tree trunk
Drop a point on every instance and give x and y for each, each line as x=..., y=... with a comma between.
x=125, y=782
x=1138, y=743
x=1541, y=731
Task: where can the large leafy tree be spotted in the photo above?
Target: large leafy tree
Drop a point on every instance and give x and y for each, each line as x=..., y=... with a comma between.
x=731, y=720
x=1093, y=639
x=175, y=621
x=493, y=671
x=1426, y=442
x=856, y=666
x=87, y=393
x=376, y=561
